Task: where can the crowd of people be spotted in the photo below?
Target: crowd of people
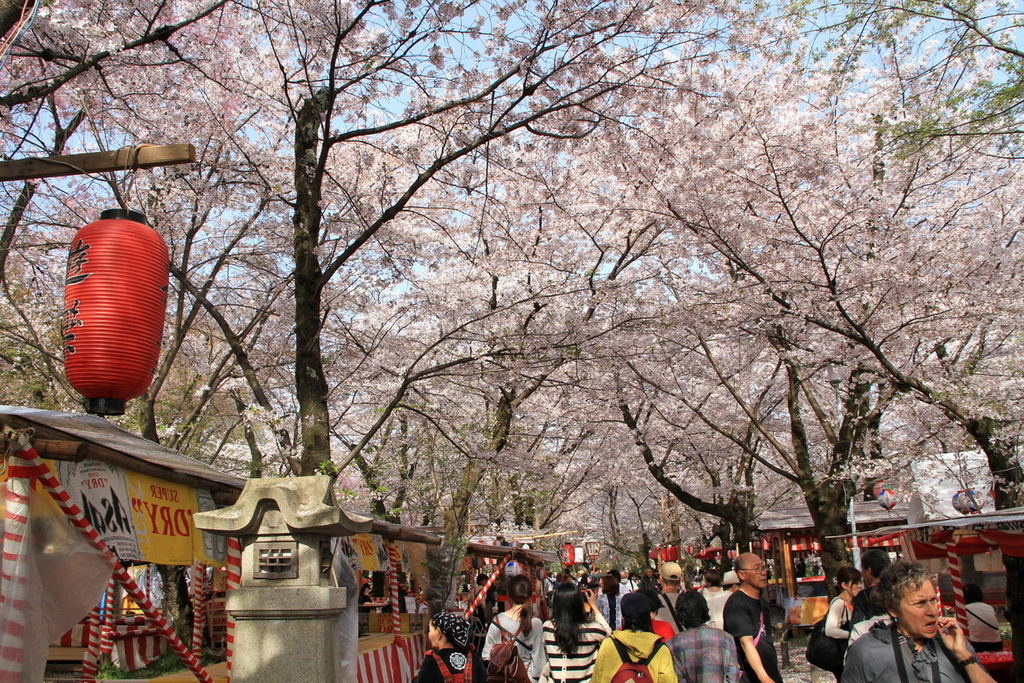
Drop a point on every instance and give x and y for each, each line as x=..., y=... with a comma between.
x=886, y=616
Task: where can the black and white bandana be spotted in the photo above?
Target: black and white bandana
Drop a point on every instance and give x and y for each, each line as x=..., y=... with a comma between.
x=454, y=628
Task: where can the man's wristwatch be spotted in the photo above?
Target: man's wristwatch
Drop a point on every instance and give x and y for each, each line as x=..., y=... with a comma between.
x=964, y=663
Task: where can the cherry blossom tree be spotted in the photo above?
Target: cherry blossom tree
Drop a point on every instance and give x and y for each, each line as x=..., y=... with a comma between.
x=838, y=246
x=965, y=52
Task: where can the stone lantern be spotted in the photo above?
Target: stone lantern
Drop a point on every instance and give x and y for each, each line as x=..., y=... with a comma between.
x=287, y=608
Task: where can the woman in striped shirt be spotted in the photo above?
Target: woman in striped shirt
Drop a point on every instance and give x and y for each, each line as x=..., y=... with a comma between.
x=572, y=636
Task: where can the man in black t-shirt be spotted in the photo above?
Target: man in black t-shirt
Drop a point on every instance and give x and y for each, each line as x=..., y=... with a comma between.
x=872, y=563
x=746, y=619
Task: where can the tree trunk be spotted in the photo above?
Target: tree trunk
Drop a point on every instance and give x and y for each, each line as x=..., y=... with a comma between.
x=828, y=505
x=147, y=418
x=177, y=605
x=310, y=382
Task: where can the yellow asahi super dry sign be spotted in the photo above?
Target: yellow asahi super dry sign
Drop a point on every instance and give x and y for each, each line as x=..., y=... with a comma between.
x=142, y=518
x=162, y=511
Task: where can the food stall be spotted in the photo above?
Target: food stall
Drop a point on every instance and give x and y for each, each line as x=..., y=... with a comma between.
x=792, y=550
x=86, y=505
x=392, y=630
x=497, y=559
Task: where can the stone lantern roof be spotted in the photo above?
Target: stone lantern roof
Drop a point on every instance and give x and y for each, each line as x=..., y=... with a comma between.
x=306, y=505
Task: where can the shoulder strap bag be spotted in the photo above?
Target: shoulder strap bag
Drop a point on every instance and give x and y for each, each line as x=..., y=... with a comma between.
x=513, y=636
x=981, y=620
x=901, y=662
x=671, y=610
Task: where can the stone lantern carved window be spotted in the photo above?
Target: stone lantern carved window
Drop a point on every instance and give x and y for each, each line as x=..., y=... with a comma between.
x=326, y=557
x=276, y=560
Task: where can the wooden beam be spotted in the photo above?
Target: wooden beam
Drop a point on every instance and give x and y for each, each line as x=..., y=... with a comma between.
x=124, y=159
x=54, y=449
x=222, y=493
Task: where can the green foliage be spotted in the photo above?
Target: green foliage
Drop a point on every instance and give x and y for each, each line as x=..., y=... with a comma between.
x=943, y=47
x=167, y=663
x=326, y=467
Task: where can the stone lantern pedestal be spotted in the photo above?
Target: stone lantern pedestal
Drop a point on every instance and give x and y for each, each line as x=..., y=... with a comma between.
x=287, y=607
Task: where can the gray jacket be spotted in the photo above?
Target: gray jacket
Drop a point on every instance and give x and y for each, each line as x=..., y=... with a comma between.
x=872, y=659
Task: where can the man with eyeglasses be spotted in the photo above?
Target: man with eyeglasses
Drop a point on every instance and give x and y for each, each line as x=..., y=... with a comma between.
x=747, y=620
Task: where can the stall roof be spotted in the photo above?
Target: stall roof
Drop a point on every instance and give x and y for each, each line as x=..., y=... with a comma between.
x=399, y=532
x=1009, y=519
x=73, y=436
x=798, y=517
x=966, y=535
x=497, y=552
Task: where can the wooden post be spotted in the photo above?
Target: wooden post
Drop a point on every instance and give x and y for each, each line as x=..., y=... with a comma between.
x=124, y=159
x=787, y=568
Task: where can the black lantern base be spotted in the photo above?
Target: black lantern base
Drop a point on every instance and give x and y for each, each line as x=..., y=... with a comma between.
x=124, y=214
x=106, y=406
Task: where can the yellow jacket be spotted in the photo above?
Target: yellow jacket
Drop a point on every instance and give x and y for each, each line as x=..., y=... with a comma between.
x=640, y=644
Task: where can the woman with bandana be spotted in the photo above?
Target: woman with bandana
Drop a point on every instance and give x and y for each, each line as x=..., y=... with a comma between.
x=450, y=659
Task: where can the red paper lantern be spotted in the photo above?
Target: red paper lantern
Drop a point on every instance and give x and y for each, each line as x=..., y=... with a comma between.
x=115, y=297
x=731, y=554
x=689, y=550
x=671, y=553
x=568, y=554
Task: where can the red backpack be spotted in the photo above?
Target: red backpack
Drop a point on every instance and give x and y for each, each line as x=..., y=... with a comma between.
x=634, y=672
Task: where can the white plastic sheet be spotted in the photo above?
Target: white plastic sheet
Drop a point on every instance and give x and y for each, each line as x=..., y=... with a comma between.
x=348, y=626
x=65, y=578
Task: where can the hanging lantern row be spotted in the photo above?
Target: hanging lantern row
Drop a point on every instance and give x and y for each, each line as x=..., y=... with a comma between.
x=115, y=296
x=968, y=502
x=671, y=553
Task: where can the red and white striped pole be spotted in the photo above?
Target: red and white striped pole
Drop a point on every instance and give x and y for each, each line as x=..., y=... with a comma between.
x=482, y=594
x=234, y=580
x=74, y=514
x=398, y=659
x=14, y=570
x=107, y=622
x=959, y=606
x=91, y=657
x=198, y=595
x=394, y=559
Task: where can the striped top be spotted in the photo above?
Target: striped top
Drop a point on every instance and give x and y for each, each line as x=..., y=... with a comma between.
x=576, y=668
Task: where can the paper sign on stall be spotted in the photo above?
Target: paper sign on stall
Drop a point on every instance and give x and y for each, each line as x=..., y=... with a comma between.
x=101, y=491
x=210, y=549
x=367, y=550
